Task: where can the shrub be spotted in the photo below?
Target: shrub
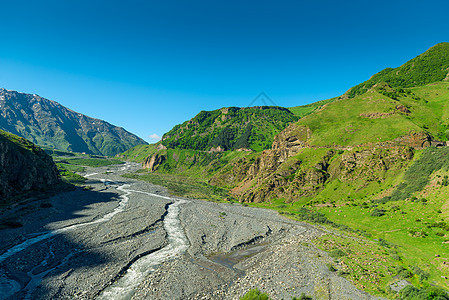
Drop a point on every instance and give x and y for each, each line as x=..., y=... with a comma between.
x=254, y=294
x=378, y=212
x=331, y=268
x=336, y=253
x=432, y=293
x=302, y=297
x=417, y=176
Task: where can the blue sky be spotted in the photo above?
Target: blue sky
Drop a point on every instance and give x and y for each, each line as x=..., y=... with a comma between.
x=149, y=65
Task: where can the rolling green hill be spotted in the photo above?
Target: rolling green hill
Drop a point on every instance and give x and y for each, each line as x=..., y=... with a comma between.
x=230, y=128
x=375, y=116
x=431, y=66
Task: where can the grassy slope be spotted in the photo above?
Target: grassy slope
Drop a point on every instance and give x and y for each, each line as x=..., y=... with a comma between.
x=431, y=66
x=343, y=123
x=139, y=153
x=231, y=128
x=187, y=172
x=304, y=110
x=408, y=241
x=416, y=230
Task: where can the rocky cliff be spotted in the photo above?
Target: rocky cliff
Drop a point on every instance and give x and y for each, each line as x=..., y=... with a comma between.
x=49, y=124
x=24, y=167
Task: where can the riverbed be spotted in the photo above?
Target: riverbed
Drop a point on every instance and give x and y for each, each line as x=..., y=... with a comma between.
x=127, y=239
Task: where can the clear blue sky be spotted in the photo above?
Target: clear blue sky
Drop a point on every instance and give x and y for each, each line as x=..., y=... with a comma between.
x=149, y=65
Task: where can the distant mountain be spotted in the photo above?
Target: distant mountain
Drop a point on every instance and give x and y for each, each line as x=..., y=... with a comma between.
x=230, y=128
x=24, y=167
x=49, y=124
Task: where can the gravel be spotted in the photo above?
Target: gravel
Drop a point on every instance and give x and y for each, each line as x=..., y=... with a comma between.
x=230, y=248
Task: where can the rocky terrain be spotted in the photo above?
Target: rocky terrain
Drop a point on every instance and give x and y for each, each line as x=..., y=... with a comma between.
x=49, y=124
x=24, y=167
x=126, y=239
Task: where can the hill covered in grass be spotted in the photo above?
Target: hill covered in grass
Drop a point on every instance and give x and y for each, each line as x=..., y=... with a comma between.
x=371, y=164
x=230, y=128
x=49, y=124
x=431, y=66
x=379, y=115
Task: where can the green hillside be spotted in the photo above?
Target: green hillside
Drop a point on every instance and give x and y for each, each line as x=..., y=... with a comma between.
x=431, y=66
x=381, y=114
x=372, y=166
x=305, y=110
x=230, y=128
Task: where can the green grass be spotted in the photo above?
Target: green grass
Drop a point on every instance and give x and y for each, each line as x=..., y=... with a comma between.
x=71, y=168
x=418, y=175
x=139, y=153
x=343, y=123
x=413, y=230
x=184, y=186
x=431, y=66
x=93, y=162
x=304, y=110
x=373, y=118
x=417, y=225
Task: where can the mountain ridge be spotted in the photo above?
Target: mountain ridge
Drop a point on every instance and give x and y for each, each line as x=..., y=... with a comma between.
x=430, y=66
x=50, y=124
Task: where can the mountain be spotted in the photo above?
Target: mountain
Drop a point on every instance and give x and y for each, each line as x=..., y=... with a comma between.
x=373, y=163
x=431, y=66
x=49, y=124
x=381, y=119
x=24, y=167
x=230, y=128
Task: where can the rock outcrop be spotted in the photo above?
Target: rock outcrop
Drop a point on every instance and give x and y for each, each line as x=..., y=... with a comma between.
x=152, y=162
x=24, y=167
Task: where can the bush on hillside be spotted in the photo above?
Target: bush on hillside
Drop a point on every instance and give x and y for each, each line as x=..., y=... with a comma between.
x=254, y=294
x=418, y=175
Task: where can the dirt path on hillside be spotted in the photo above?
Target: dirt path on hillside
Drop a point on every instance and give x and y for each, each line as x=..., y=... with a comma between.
x=126, y=239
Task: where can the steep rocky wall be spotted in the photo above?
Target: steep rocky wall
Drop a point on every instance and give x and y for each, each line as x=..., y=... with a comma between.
x=266, y=178
x=24, y=167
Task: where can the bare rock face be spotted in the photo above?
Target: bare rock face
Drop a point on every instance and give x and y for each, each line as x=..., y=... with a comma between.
x=216, y=149
x=24, y=167
x=293, y=138
x=369, y=164
x=153, y=162
x=416, y=140
x=403, y=109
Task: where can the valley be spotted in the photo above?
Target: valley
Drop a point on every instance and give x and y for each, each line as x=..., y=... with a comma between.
x=344, y=198
x=126, y=239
